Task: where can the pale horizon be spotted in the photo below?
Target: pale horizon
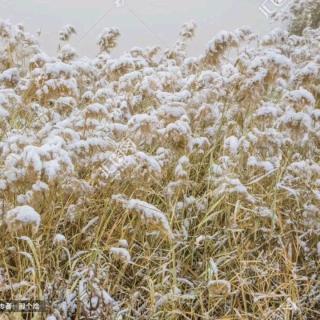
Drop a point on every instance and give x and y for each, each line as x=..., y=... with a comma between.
x=141, y=22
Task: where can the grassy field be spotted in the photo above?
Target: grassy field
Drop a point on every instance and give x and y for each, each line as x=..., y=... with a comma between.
x=160, y=186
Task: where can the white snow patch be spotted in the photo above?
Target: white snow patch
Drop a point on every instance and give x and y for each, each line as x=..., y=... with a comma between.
x=22, y=216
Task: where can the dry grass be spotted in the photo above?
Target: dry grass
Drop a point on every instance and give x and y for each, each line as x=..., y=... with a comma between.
x=236, y=249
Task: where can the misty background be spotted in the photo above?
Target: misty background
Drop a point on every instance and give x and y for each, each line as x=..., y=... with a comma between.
x=141, y=22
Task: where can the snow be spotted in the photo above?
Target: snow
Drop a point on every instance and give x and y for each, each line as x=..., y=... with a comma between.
x=171, y=111
x=52, y=169
x=23, y=215
x=268, y=109
x=232, y=143
x=265, y=165
x=148, y=212
x=151, y=161
x=301, y=94
x=66, y=32
x=40, y=186
x=4, y=113
x=216, y=170
x=278, y=59
x=31, y=156
x=139, y=120
x=107, y=299
x=221, y=39
x=96, y=109
x=181, y=168
x=9, y=75
x=122, y=253
x=311, y=69
x=266, y=212
x=213, y=268
x=55, y=69
x=297, y=119
x=123, y=243
x=59, y=239
x=168, y=137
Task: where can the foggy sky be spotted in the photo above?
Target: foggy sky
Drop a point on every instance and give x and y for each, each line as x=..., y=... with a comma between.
x=141, y=22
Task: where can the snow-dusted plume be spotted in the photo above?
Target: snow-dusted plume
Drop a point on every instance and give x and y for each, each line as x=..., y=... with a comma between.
x=158, y=185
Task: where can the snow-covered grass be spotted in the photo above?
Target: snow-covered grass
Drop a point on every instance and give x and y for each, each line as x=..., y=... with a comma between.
x=160, y=186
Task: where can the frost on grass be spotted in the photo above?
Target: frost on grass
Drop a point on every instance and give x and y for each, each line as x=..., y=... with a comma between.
x=167, y=185
x=151, y=215
x=121, y=253
x=19, y=217
x=59, y=239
